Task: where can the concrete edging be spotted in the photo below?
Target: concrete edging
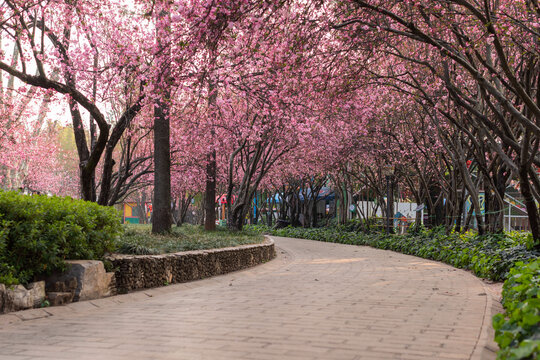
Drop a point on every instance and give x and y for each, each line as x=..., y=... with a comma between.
x=486, y=348
x=136, y=272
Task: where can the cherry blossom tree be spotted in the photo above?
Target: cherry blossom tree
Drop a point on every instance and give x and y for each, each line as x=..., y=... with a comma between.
x=90, y=44
x=490, y=45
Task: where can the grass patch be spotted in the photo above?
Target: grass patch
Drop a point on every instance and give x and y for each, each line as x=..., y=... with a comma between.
x=139, y=240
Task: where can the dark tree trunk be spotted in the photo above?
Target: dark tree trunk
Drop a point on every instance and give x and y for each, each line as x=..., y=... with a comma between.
x=211, y=168
x=500, y=183
x=161, y=217
x=390, y=204
x=141, y=209
x=237, y=220
x=526, y=188
x=283, y=207
x=210, y=193
x=295, y=210
x=270, y=210
x=459, y=212
x=419, y=201
x=314, y=212
x=201, y=211
x=88, y=191
x=183, y=206
x=530, y=204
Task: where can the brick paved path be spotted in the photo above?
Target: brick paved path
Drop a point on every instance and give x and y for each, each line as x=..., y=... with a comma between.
x=315, y=301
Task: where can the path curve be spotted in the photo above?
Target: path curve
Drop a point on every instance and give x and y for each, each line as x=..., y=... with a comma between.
x=315, y=301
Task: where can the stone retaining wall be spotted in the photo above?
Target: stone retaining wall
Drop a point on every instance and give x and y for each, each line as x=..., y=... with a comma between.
x=17, y=297
x=147, y=271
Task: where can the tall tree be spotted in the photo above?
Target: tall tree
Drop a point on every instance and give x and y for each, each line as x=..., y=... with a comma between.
x=161, y=215
x=69, y=36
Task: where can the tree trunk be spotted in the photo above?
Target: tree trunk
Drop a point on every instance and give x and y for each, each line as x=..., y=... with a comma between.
x=270, y=210
x=211, y=170
x=500, y=183
x=88, y=191
x=183, y=206
x=390, y=204
x=210, y=193
x=236, y=215
x=161, y=217
x=459, y=211
x=314, y=212
x=141, y=210
x=530, y=204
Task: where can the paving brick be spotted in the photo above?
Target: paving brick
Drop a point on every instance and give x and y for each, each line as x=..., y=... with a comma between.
x=315, y=301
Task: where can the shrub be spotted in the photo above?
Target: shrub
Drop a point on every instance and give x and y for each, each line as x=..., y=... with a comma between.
x=518, y=334
x=39, y=233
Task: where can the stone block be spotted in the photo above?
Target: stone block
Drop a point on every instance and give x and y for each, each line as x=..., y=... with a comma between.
x=60, y=298
x=111, y=280
x=2, y=296
x=17, y=297
x=87, y=280
x=67, y=285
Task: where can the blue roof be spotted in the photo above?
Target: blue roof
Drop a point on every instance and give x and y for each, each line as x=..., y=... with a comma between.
x=325, y=193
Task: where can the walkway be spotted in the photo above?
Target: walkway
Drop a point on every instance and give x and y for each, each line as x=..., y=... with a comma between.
x=315, y=301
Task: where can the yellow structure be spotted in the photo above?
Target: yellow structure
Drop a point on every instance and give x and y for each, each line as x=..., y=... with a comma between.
x=128, y=213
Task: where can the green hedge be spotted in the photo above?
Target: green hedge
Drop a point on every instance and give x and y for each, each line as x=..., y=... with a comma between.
x=518, y=333
x=39, y=232
x=496, y=257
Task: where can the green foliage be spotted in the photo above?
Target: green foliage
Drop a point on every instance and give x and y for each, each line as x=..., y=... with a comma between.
x=518, y=334
x=139, y=240
x=491, y=256
x=38, y=233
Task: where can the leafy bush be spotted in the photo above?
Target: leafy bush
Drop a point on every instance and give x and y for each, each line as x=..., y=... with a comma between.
x=518, y=334
x=39, y=232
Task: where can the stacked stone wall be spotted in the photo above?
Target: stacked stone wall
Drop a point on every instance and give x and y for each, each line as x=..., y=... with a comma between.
x=87, y=279
x=135, y=272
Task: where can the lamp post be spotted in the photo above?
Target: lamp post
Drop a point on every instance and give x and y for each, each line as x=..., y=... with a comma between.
x=388, y=172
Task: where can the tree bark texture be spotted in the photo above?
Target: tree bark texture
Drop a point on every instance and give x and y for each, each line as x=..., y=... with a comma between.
x=161, y=217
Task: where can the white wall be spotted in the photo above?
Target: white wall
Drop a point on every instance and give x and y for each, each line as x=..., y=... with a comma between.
x=405, y=208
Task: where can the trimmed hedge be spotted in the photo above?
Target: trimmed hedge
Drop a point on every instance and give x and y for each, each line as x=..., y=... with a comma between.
x=39, y=232
x=494, y=256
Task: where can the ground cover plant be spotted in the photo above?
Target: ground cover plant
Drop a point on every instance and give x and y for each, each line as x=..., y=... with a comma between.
x=507, y=256
x=518, y=333
x=139, y=240
x=38, y=233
